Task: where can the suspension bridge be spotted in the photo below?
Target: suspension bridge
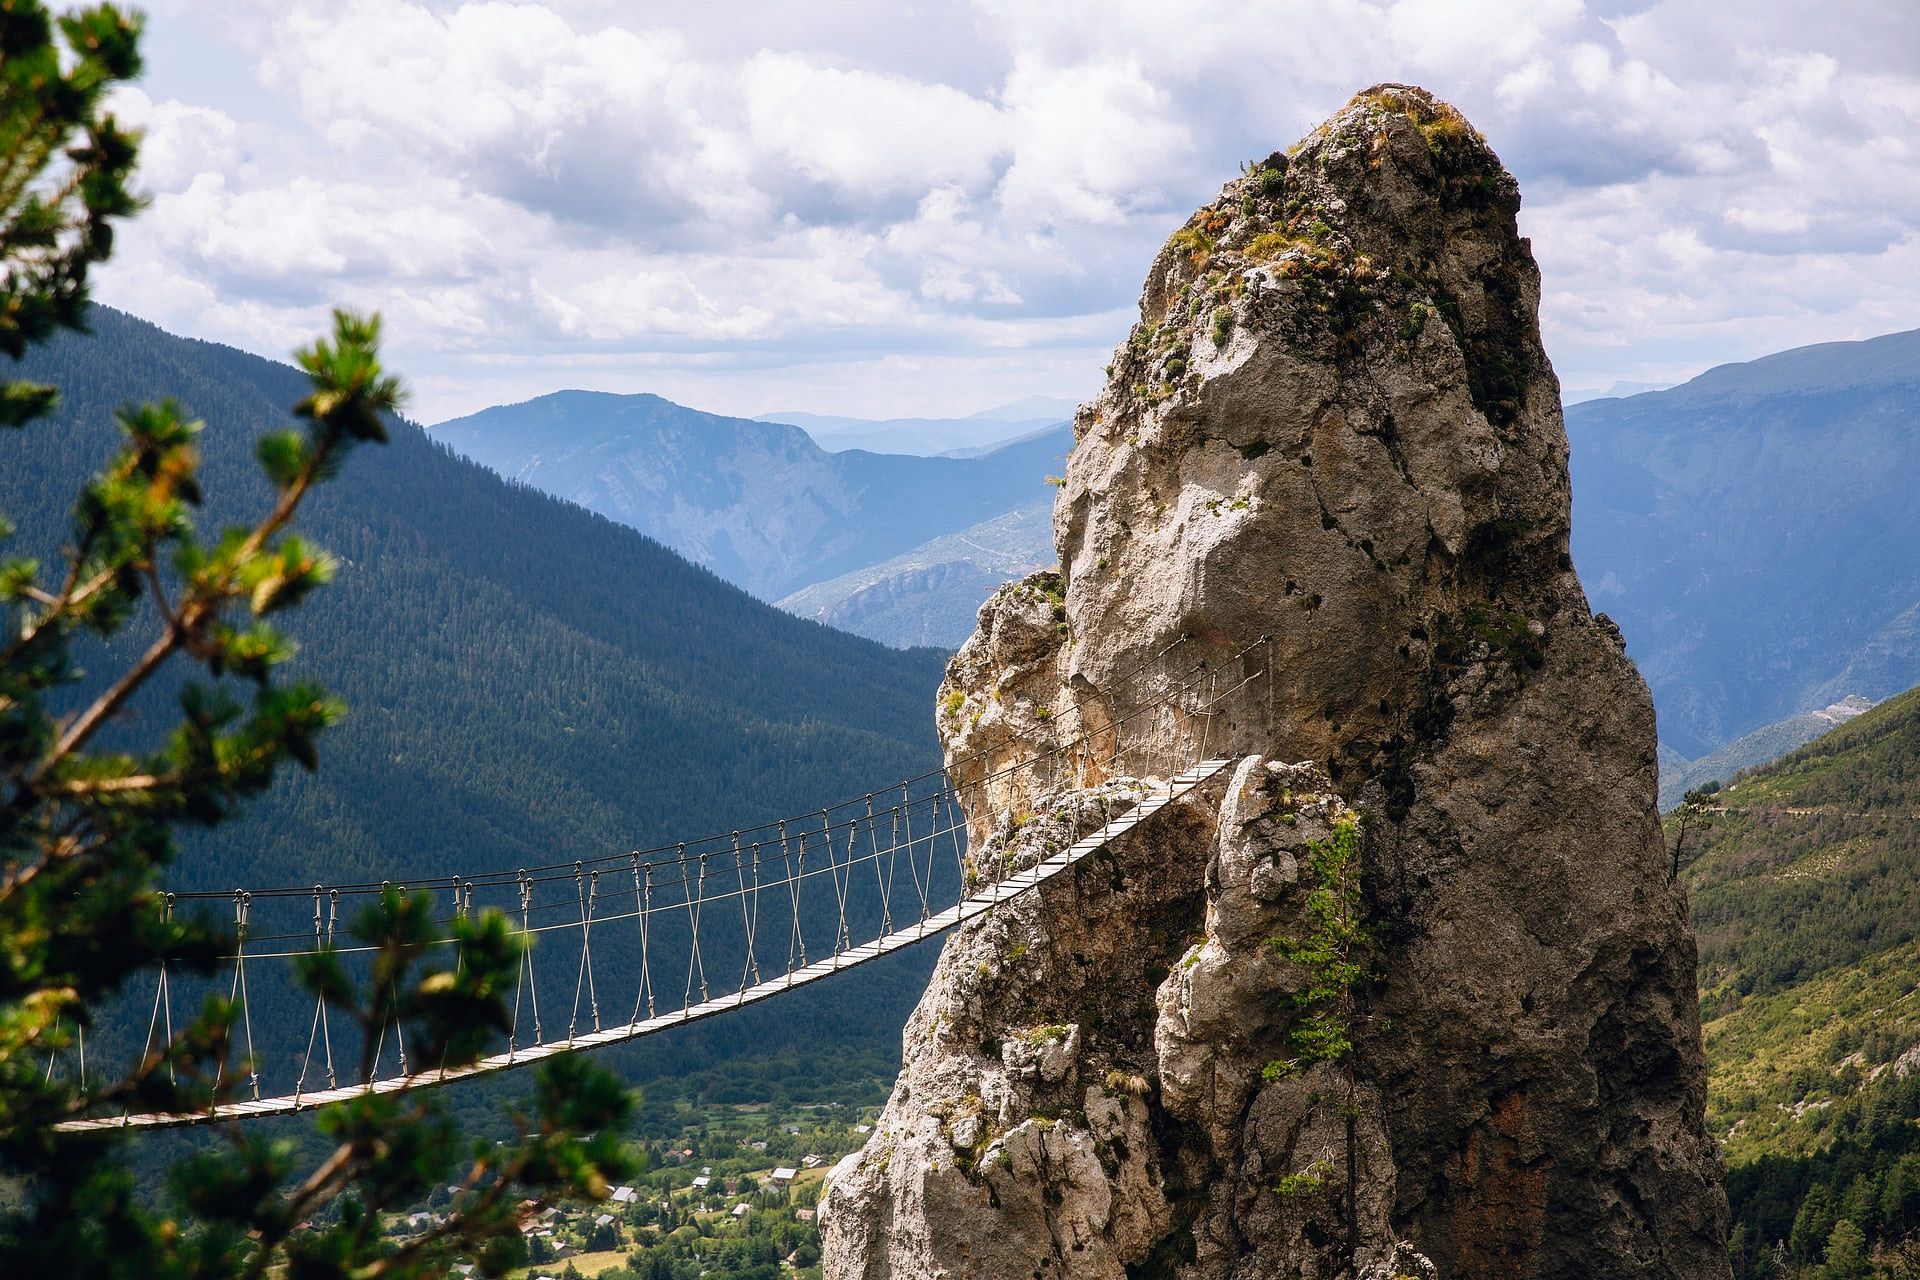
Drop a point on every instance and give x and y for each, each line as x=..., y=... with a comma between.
x=655, y=939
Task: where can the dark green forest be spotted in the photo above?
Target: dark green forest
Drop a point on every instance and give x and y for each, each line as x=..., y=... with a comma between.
x=527, y=683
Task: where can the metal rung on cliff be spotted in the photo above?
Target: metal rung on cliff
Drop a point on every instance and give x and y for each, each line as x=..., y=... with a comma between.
x=691, y=930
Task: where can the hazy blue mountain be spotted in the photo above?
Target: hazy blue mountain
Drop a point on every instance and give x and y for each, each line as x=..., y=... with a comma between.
x=922, y=437
x=759, y=503
x=982, y=451
x=931, y=594
x=1617, y=391
x=1029, y=408
x=1762, y=746
x=1755, y=534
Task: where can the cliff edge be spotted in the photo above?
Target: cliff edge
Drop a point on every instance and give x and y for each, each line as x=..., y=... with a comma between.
x=1409, y=993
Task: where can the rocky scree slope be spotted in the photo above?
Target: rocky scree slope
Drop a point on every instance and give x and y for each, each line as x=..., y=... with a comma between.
x=1334, y=426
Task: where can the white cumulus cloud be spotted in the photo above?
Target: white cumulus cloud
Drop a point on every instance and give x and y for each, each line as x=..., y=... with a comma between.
x=858, y=206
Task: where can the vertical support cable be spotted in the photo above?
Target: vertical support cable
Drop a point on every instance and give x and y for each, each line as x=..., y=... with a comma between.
x=461, y=902
x=399, y=1032
x=525, y=979
x=913, y=866
x=643, y=906
x=1206, y=730
x=380, y=1041
x=163, y=1000
x=587, y=892
x=533, y=979
x=835, y=872
x=319, y=1003
x=749, y=912
x=956, y=819
x=904, y=816
x=853, y=844
x=796, y=939
x=326, y=1030
x=694, y=902
x=242, y=908
x=593, y=993
x=884, y=883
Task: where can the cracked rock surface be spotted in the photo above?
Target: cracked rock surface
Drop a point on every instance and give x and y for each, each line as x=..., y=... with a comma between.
x=1334, y=426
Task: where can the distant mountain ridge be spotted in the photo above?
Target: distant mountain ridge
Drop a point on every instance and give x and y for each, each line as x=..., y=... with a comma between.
x=1615, y=391
x=1753, y=532
x=1763, y=745
x=974, y=434
x=759, y=503
x=1892, y=359
x=931, y=594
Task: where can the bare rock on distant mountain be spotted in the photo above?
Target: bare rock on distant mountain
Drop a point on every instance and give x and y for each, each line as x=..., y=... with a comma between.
x=1334, y=426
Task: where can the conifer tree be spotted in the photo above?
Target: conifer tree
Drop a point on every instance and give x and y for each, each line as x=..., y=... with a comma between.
x=91, y=799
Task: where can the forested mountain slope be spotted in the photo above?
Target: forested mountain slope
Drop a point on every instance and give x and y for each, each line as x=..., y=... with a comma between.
x=759, y=503
x=1753, y=533
x=1806, y=897
x=527, y=681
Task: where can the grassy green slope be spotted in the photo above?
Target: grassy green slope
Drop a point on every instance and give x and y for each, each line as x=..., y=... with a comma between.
x=1806, y=896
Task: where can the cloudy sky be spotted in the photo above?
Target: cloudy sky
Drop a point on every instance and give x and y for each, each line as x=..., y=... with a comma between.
x=898, y=207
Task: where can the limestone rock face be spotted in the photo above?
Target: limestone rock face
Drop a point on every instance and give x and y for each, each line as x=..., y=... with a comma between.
x=1334, y=427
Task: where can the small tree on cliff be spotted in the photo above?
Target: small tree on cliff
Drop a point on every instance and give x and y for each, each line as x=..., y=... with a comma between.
x=85, y=828
x=1694, y=808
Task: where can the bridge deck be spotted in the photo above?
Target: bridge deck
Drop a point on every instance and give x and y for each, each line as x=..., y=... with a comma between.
x=968, y=908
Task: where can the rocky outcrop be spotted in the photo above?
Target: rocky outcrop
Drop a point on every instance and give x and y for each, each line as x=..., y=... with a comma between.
x=1335, y=427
